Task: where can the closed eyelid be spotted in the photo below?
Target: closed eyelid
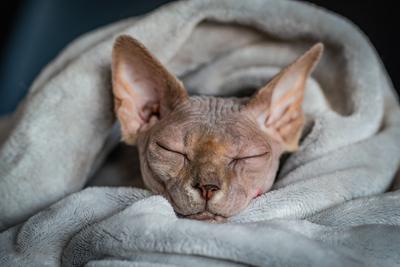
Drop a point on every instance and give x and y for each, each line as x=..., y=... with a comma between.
x=171, y=150
x=252, y=156
x=167, y=148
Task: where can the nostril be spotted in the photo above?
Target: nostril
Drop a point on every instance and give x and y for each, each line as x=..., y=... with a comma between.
x=196, y=186
x=211, y=187
x=206, y=191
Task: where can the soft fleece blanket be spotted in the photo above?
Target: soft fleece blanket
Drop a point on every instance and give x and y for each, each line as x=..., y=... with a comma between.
x=327, y=208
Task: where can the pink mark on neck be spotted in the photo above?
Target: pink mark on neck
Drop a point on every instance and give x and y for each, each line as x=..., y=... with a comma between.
x=258, y=193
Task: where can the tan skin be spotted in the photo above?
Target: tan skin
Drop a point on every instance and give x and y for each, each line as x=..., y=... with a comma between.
x=229, y=152
x=208, y=156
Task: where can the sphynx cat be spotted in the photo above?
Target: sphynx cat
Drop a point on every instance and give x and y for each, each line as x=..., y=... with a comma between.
x=209, y=156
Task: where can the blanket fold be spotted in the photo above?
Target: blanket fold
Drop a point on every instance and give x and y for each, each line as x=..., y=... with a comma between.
x=129, y=224
x=329, y=205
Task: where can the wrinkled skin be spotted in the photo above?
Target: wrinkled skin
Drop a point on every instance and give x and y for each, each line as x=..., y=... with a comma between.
x=208, y=156
x=214, y=142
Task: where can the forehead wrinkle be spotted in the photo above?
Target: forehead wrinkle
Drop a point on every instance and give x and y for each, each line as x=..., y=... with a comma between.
x=211, y=107
x=210, y=110
x=213, y=116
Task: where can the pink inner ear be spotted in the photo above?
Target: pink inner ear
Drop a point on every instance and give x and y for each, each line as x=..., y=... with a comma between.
x=149, y=110
x=141, y=86
x=138, y=92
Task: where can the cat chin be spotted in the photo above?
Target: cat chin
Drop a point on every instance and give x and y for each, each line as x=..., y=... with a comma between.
x=207, y=216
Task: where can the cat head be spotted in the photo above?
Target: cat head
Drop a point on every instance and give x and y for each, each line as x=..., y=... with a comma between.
x=208, y=156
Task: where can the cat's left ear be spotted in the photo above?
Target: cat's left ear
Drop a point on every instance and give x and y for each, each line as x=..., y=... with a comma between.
x=144, y=90
x=277, y=106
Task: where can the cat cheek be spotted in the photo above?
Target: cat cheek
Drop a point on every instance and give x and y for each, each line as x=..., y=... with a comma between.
x=167, y=168
x=260, y=163
x=175, y=165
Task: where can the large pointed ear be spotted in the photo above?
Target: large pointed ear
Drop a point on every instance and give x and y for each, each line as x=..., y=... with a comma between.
x=277, y=106
x=144, y=91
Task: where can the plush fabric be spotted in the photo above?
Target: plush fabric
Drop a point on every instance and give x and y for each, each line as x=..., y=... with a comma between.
x=329, y=205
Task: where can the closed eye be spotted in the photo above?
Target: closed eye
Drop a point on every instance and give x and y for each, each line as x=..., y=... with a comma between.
x=171, y=150
x=234, y=160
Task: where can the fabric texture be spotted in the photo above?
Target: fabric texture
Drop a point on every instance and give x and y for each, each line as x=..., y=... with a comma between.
x=330, y=204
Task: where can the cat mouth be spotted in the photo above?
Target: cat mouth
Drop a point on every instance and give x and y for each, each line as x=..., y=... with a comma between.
x=206, y=216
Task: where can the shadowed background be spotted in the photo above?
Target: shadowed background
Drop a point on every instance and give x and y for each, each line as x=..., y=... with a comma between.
x=33, y=32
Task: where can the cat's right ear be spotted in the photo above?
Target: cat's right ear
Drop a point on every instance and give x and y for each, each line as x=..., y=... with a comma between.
x=277, y=106
x=144, y=90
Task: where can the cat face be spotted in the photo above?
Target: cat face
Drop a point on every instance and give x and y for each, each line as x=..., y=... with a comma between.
x=208, y=156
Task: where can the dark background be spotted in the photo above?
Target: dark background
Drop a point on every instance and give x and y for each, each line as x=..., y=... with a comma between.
x=33, y=32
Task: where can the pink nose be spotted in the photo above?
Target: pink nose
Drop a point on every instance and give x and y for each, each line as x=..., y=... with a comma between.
x=207, y=191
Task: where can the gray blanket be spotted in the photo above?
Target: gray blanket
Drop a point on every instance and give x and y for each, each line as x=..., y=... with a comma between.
x=329, y=205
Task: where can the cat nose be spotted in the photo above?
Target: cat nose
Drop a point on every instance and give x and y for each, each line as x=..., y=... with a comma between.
x=207, y=190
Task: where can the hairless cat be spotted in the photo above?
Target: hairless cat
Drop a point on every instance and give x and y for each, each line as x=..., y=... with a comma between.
x=209, y=156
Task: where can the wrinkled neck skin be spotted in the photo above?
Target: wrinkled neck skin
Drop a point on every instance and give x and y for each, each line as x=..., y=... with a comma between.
x=212, y=141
